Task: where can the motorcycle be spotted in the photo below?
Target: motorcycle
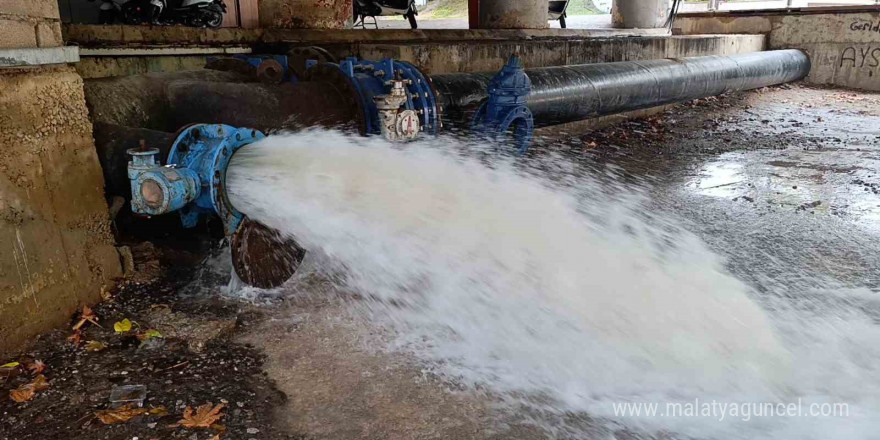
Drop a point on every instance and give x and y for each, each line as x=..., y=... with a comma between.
x=110, y=10
x=195, y=13
x=378, y=8
x=557, y=11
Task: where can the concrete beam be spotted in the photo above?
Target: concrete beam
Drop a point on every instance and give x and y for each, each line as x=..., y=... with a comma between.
x=38, y=56
x=160, y=51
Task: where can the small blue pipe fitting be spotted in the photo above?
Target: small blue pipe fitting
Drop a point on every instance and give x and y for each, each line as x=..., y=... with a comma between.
x=505, y=109
x=157, y=189
x=194, y=180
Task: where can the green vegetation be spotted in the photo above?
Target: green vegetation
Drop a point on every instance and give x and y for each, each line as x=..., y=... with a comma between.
x=442, y=9
x=581, y=7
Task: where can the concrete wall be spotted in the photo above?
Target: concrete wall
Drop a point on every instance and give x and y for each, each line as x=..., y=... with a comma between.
x=436, y=51
x=106, y=66
x=844, y=46
x=29, y=23
x=488, y=56
x=305, y=14
x=54, y=228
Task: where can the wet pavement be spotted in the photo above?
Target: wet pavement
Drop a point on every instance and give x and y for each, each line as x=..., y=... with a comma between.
x=784, y=182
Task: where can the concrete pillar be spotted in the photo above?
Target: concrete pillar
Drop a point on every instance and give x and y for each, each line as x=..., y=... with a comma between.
x=305, y=14
x=57, y=249
x=639, y=14
x=513, y=14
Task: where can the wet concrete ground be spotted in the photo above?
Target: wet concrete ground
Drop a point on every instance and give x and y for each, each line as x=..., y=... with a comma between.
x=784, y=182
x=789, y=173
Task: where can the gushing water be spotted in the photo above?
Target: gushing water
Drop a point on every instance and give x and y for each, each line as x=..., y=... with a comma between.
x=564, y=293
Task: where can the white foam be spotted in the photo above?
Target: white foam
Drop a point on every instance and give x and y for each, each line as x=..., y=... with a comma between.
x=499, y=279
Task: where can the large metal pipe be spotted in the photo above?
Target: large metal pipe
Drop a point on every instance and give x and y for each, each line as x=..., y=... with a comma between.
x=571, y=93
x=262, y=106
x=140, y=100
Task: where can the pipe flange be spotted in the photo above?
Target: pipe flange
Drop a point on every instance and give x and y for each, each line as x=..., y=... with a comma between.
x=270, y=72
x=207, y=149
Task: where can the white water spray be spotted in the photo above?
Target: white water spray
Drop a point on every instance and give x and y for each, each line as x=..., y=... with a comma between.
x=507, y=281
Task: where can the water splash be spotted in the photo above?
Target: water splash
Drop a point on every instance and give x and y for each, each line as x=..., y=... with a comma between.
x=565, y=290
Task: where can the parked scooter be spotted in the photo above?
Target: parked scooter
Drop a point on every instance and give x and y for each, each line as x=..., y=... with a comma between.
x=195, y=13
x=557, y=11
x=110, y=11
x=378, y=8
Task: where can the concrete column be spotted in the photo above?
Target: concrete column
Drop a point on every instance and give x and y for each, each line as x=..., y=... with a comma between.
x=305, y=14
x=513, y=14
x=639, y=14
x=58, y=251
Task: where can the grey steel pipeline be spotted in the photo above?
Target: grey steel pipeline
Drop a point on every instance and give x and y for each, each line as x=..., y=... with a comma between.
x=572, y=93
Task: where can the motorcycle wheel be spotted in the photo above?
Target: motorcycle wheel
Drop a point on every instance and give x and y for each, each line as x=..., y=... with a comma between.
x=107, y=16
x=212, y=16
x=130, y=15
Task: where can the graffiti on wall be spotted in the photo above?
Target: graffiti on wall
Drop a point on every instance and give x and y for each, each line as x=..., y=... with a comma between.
x=863, y=56
x=863, y=25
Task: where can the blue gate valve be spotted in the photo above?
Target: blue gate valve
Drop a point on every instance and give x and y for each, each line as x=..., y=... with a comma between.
x=506, y=108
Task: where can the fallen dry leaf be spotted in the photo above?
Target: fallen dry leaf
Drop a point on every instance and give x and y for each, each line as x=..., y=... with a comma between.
x=87, y=315
x=9, y=370
x=216, y=437
x=95, y=346
x=36, y=367
x=203, y=417
x=28, y=391
x=119, y=415
x=160, y=411
x=75, y=338
x=122, y=326
x=149, y=334
x=7, y=373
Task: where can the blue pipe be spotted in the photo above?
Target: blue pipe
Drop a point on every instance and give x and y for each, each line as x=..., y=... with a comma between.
x=193, y=180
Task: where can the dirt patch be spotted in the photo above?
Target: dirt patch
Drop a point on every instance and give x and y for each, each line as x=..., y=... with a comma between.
x=175, y=375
